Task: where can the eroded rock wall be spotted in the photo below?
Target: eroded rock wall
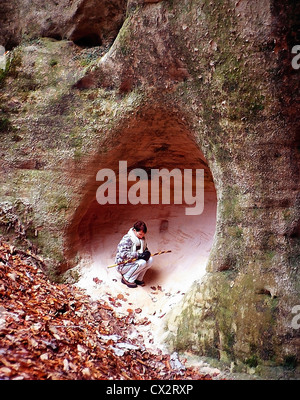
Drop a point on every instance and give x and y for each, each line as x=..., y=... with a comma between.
x=88, y=23
x=219, y=75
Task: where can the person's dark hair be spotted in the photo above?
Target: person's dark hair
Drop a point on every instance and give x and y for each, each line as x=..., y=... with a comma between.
x=140, y=226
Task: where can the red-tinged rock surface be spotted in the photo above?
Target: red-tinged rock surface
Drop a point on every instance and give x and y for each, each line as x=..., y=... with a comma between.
x=55, y=331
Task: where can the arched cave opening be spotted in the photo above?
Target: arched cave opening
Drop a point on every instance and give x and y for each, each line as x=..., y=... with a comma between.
x=88, y=40
x=155, y=140
x=96, y=23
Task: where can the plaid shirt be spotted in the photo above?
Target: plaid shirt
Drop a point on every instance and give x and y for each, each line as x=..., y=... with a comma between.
x=125, y=250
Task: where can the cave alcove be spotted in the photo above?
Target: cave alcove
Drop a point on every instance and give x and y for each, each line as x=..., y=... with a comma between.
x=155, y=139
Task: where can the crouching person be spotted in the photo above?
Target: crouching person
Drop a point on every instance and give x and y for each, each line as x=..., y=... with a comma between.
x=133, y=246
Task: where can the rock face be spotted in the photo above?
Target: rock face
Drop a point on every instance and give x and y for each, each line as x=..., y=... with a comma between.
x=184, y=84
x=87, y=23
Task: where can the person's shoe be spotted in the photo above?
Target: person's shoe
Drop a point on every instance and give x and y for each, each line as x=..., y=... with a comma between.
x=129, y=284
x=140, y=283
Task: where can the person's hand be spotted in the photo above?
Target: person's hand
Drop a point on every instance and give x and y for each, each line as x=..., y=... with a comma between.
x=145, y=255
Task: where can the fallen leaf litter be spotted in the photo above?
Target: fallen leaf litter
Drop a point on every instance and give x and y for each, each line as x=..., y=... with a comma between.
x=56, y=331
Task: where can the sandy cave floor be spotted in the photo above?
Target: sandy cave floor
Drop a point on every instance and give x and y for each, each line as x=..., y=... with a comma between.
x=150, y=303
x=190, y=240
x=153, y=301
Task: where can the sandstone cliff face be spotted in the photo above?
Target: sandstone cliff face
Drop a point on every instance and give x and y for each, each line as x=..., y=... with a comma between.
x=187, y=84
